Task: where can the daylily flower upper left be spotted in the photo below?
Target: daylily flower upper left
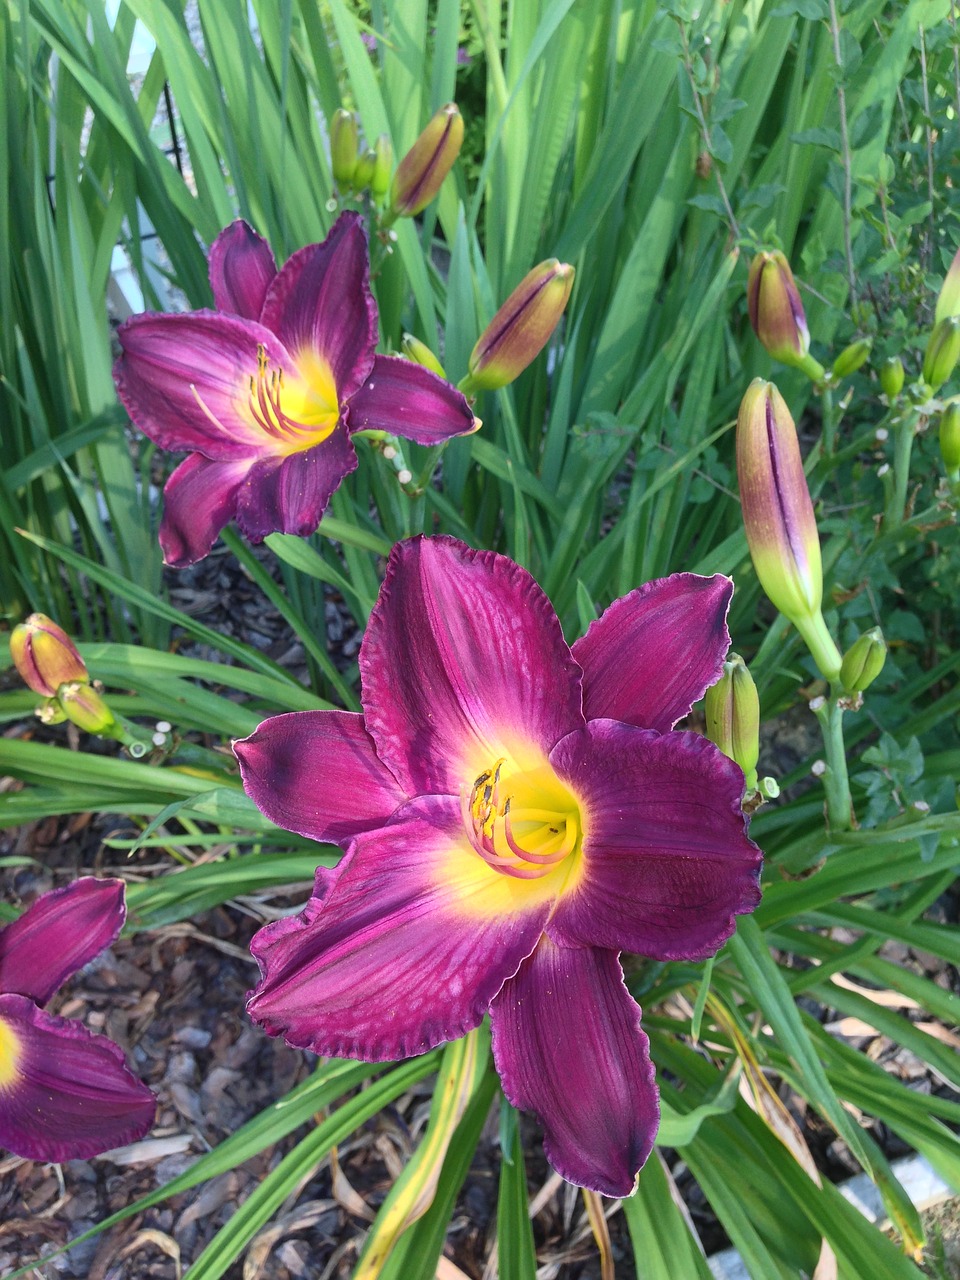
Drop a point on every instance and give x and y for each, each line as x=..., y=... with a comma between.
x=65, y=1094
x=265, y=392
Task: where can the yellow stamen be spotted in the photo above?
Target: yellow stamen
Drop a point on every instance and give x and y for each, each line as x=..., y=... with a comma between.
x=9, y=1055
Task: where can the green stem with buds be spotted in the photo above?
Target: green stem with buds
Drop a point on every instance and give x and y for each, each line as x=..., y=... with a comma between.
x=896, y=503
x=836, y=780
x=828, y=412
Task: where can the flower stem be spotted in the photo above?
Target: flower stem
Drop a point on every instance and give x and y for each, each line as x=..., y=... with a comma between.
x=836, y=780
x=896, y=504
x=830, y=417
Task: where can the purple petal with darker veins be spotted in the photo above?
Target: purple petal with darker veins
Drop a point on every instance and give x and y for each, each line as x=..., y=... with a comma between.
x=666, y=860
x=568, y=1046
x=241, y=270
x=199, y=500
x=396, y=952
x=321, y=303
x=289, y=494
x=58, y=934
x=407, y=400
x=70, y=1094
x=316, y=773
x=654, y=652
x=185, y=380
x=463, y=662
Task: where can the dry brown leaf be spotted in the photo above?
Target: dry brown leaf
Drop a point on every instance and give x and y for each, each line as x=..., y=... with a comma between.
x=887, y=998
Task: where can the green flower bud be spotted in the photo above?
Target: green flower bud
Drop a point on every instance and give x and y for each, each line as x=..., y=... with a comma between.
x=948, y=301
x=521, y=328
x=344, y=147
x=383, y=163
x=82, y=704
x=422, y=170
x=732, y=709
x=44, y=655
x=363, y=173
x=420, y=353
x=863, y=661
x=943, y=352
x=950, y=438
x=891, y=377
x=778, y=518
x=852, y=358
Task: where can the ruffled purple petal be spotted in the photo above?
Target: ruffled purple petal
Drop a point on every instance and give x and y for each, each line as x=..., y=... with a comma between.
x=408, y=400
x=69, y=1094
x=568, y=1046
x=241, y=270
x=321, y=304
x=402, y=947
x=289, y=494
x=316, y=773
x=667, y=864
x=199, y=500
x=185, y=380
x=58, y=934
x=463, y=663
x=654, y=652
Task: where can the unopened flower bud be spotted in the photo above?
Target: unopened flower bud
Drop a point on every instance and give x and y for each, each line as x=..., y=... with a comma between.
x=948, y=301
x=950, y=438
x=776, y=311
x=852, y=358
x=778, y=518
x=891, y=377
x=520, y=329
x=44, y=655
x=732, y=709
x=863, y=661
x=943, y=352
x=363, y=173
x=424, y=167
x=382, y=165
x=83, y=705
x=420, y=353
x=344, y=147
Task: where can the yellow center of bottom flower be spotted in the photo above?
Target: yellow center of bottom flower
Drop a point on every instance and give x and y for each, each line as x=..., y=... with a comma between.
x=524, y=823
x=9, y=1055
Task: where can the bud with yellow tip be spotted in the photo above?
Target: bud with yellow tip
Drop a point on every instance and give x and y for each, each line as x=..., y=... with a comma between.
x=521, y=328
x=422, y=170
x=44, y=655
x=732, y=708
x=778, y=518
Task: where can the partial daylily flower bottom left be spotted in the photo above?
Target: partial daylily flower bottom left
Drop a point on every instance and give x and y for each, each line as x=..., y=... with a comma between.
x=65, y=1093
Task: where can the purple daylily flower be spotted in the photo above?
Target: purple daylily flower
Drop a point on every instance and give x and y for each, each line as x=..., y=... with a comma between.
x=515, y=812
x=265, y=392
x=65, y=1094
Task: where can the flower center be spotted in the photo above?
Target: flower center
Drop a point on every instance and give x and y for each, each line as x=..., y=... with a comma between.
x=9, y=1055
x=522, y=823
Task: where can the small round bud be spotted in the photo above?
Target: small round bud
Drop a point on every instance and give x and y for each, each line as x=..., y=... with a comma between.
x=83, y=705
x=950, y=437
x=891, y=377
x=732, y=708
x=852, y=358
x=420, y=353
x=863, y=661
x=344, y=147
x=943, y=352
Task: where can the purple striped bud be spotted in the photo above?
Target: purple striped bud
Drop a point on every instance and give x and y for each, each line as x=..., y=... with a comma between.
x=778, y=518
x=44, y=655
x=942, y=353
x=948, y=301
x=732, y=708
x=521, y=328
x=776, y=311
x=424, y=167
x=344, y=147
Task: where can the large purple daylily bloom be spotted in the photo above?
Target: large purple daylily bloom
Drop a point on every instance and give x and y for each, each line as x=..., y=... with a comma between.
x=65, y=1094
x=515, y=813
x=265, y=392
